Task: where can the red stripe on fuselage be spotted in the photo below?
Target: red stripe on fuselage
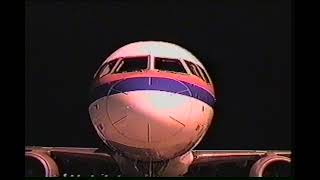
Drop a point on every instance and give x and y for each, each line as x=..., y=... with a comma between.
x=192, y=79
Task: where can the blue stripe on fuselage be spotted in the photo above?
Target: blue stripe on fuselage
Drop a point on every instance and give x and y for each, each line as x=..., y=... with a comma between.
x=153, y=83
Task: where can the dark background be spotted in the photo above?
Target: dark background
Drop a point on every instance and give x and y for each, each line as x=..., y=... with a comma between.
x=245, y=45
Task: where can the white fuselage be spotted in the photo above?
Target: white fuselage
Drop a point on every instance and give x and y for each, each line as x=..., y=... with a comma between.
x=151, y=115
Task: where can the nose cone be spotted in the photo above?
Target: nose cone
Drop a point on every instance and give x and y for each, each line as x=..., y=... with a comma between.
x=148, y=116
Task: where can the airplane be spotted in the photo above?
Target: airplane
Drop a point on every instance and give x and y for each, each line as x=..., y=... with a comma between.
x=152, y=103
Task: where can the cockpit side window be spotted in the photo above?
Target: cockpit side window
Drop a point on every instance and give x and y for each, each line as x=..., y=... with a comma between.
x=106, y=68
x=193, y=69
x=131, y=64
x=166, y=64
x=204, y=74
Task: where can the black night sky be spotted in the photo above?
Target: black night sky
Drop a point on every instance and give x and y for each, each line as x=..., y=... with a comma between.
x=245, y=45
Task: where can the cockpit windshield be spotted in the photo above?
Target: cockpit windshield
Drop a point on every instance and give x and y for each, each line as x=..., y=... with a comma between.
x=167, y=64
x=131, y=64
x=193, y=69
x=198, y=71
x=204, y=74
x=106, y=68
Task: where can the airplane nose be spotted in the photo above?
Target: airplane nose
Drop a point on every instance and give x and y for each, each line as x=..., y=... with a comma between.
x=145, y=118
x=148, y=116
